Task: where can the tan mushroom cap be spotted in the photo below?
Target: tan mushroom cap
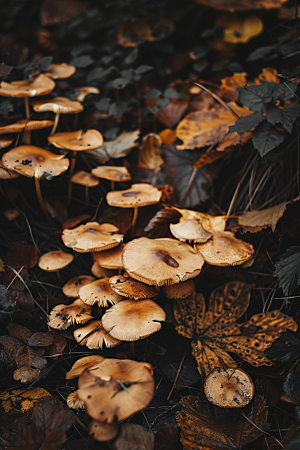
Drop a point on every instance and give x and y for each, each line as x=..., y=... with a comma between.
x=84, y=178
x=179, y=290
x=225, y=250
x=12, y=214
x=230, y=388
x=95, y=340
x=110, y=259
x=83, y=363
x=6, y=174
x=99, y=291
x=102, y=431
x=161, y=261
x=57, y=105
x=101, y=272
x=116, y=388
x=73, y=401
x=62, y=70
x=76, y=141
x=131, y=320
x=32, y=87
x=63, y=316
x=28, y=125
x=56, y=260
x=112, y=173
x=71, y=288
x=84, y=91
x=190, y=230
x=5, y=142
x=140, y=194
x=34, y=161
x=131, y=288
x=92, y=237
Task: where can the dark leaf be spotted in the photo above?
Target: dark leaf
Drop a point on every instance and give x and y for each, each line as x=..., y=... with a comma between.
x=6, y=106
x=265, y=138
x=9, y=347
x=103, y=104
x=200, y=66
x=286, y=116
x=143, y=69
x=120, y=83
x=170, y=362
x=117, y=108
x=172, y=93
x=291, y=385
x=20, y=435
x=267, y=52
x=99, y=73
x=43, y=63
x=153, y=93
x=134, y=437
x=5, y=70
x=7, y=305
x=284, y=91
x=49, y=413
x=167, y=438
x=256, y=97
x=131, y=57
x=160, y=104
x=246, y=123
x=159, y=225
x=287, y=269
x=82, y=61
x=286, y=348
x=127, y=74
x=54, y=440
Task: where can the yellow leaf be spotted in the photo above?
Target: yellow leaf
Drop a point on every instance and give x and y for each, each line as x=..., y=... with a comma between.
x=18, y=400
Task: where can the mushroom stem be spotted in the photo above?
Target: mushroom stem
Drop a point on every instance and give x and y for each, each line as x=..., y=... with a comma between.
x=112, y=184
x=135, y=214
x=56, y=120
x=40, y=198
x=87, y=197
x=59, y=276
x=72, y=167
x=26, y=133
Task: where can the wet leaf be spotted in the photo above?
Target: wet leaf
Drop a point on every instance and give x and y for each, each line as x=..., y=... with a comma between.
x=287, y=269
x=22, y=254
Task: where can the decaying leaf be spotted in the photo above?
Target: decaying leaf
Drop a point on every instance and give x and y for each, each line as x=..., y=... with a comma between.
x=20, y=400
x=215, y=332
x=207, y=427
x=210, y=157
x=22, y=254
x=230, y=84
x=238, y=30
x=150, y=153
x=118, y=148
x=9, y=347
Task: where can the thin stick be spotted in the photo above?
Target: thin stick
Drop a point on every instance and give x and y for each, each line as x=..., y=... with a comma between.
x=177, y=375
x=40, y=198
x=216, y=97
x=19, y=271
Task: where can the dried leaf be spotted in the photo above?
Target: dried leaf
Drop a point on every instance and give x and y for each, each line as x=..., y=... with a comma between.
x=134, y=437
x=212, y=156
x=28, y=356
x=238, y=30
x=230, y=84
x=22, y=254
x=246, y=5
x=18, y=331
x=41, y=339
x=167, y=438
x=118, y=148
x=20, y=400
x=287, y=269
x=49, y=414
x=215, y=223
x=26, y=374
x=9, y=347
x=150, y=153
x=159, y=225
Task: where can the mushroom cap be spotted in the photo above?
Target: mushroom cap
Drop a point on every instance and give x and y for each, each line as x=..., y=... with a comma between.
x=112, y=173
x=129, y=287
x=161, y=261
x=32, y=87
x=230, y=388
x=84, y=91
x=11, y=214
x=73, y=401
x=116, y=388
x=179, y=290
x=73, y=221
x=85, y=179
x=6, y=174
x=131, y=320
x=140, y=194
x=83, y=363
x=76, y=141
x=99, y=291
x=34, y=161
x=63, y=316
x=57, y=105
x=56, y=260
x=103, y=431
x=5, y=142
x=95, y=340
x=62, y=70
x=92, y=237
x=190, y=230
x=225, y=250
x=110, y=259
x=28, y=125
x=71, y=288
x=101, y=272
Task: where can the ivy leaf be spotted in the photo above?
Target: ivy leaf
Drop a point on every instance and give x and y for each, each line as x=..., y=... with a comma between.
x=285, y=116
x=246, y=123
x=287, y=269
x=284, y=91
x=117, y=108
x=265, y=138
x=257, y=97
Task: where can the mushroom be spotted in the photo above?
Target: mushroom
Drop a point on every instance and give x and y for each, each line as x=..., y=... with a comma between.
x=5, y=142
x=93, y=335
x=116, y=389
x=63, y=316
x=55, y=261
x=61, y=71
x=230, y=388
x=86, y=90
x=161, y=261
x=11, y=214
x=92, y=237
x=73, y=401
x=26, y=125
x=83, y=363
x=138, y=195
x=190, y=230
x=99, y=291
x=85, y=179
x=112, y=173
x=179, y=290
x=101, y=272
x=132, y=320
x=129, y=287
x=110, y=259
x=103, y=431
x=71, y=288
x=225, y=250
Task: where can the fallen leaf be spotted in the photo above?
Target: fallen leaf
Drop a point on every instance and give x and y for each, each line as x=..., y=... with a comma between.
x=159, y=225
x=246, y=5
x=167, y=438
x=22, y=254
x=20, y=400
x=237, y=30
x=9, y=347
x=216, y=223
x=18, y=331
x=230, y=84
x=212, y=156
x=171, y=113
x=118, y=148
x=134, y=437
x=287, y=269
x=150, y=153
x=61, y=11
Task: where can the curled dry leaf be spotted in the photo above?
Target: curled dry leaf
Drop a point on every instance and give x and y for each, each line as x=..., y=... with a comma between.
x=150, y=153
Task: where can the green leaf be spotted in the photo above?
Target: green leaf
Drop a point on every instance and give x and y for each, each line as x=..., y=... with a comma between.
x=246, y=123
x=265, y=138
x=287, y=269
x=257, y=97
x=284, y=91
x=285, y=116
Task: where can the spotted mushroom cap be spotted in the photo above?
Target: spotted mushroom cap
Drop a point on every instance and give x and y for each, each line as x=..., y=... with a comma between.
x=131, y=288
x=71, y=288
x=112, y=173
x=56, y=260
x=63, y=316
x=110, y=259
x=92, y=237
x=116, y=388
x=230, y=388
x=225, y=250
x=161, y=261
x=31, y=87
x=100, y=292
x=84, y=178
x=34, y=161
x=77, y=141
x=190, y=230
x=28, y=125
x=57, y=105
x=95, y=339
x=141, y=194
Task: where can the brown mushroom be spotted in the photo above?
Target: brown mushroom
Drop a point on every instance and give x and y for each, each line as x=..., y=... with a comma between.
x=85, y=179
x=61, y=71
x=6, y=174
x=112, y=173
x=93, y=335
x=110, y=259
x=101, y=272
x=116, y=389
x=230, y=388
x=92, y=237
x=103, y=431
x=179, y=290
x=190, y=230
x=131, y=288
x=99, y=291
x=84, y=91
x=161, y=261
x=83, y=363
x=63, y=316
x=71, y=288
x=55, y=260
x=131, y=320
x=5, y=142
x=26, y=125
x=73, y=401
x=11, y=214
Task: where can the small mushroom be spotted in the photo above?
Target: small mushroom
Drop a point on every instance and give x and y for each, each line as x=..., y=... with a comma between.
x=230, y=388
x=12, y=214
x=54, y=261
x=103, y=431
x=5, y=142
x=101, y=272
x=110, y=259
x=131, y=288
x=93, y=335
x=73, y=401
x=190, y=230
x=83, y=363
x=84, y=91
x=26, y=125
x=85, y=179
x=112, y=173
x=71, y=288
x=63, y=316
x=100, y=292
x=61, y=71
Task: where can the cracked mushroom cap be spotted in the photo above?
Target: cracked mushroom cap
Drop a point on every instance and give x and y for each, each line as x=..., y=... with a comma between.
x=84, y=91
x=95, y=339
x=230, y=388
x=131, y=320
x=92, y=237
x=99, y=291
x=190, y=230
x=131, y=288
x=141, y=194
x=83, y=363
x=225, y=250
x=110, y=259
x=116, y=387
x=71, y=288
x=77, y=141
x=34, y=161
x=57, y=105
x=112, y=173
x=28, y=125
x=63, y=316
x=84, y=179
x=32, y=87
x=62, y=70
x=179, y=290
x=161, y=261
x=56, y=260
